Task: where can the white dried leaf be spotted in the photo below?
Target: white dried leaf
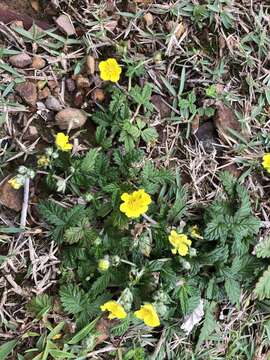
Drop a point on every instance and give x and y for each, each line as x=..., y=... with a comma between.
x=193, y=319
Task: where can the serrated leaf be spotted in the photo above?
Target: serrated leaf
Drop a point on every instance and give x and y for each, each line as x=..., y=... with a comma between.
x=88, y=162
x=233, y=290
x=262, y=289
x=263, y=248
x=73, y=299
x=149, y=135
x=209, y=324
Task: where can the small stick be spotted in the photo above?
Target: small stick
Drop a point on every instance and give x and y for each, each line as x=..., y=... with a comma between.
x=25, y=203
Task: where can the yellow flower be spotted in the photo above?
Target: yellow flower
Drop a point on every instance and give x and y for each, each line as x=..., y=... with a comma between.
x=135, y=204
x=61, y=141
x=14, y=183
x=195, y=232
x=103, y=265
x=115, y=309
x=43, y=161
x=110, y=70
x=266, y=162
x=180, y=243
x=148, y=314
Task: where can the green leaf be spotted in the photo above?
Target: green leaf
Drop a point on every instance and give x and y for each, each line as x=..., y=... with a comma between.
x=72, y=298
x=88, y=162
x=262, y=289
x=7, y=348
x=209, y=324
x=233, y=290
x=149, y=134
x=56, y=330
x=10, y=230
x=263, y=248
x=52, y=213
x=83, y=333
x=100, y=284
x=40, y=305
x=121, y=328
x=59, y=354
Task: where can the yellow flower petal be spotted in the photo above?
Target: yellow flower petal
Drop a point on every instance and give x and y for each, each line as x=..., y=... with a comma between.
x=135, y=204
x=148, y=314
x=14, y=184
x=116, y=310
x=61, y=141
x=266, y=162
x=110, y=70
x=180, y=243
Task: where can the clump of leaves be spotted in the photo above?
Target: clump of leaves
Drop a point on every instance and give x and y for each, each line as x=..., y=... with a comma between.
x=216, y=268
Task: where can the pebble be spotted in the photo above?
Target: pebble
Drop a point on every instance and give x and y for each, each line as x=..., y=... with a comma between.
x=20, y=60
x=65, y=24
x=98, y=95
x=149, y=19
x=82, y=82
x=38, y=63
x=53, y=104
x=28, y=92
x=70, y=118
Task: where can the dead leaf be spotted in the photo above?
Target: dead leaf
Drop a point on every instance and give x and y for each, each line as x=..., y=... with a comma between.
x=160, y=105
x=90, y=64
x=193, y=319
x=177, y=28
x=103, y=328
x=225, y=120
x=10, y=197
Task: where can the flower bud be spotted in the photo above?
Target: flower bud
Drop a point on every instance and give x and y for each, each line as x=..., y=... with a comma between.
x=192, y=252
x=103, y=265
x=115, y=260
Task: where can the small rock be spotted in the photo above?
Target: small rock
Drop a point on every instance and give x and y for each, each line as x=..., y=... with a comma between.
x=82, y=82
x=28, y=92
x=149, y=19
x=44, y=93
x=53, y=104
x=10, y=197
x=65, y=24
x=206, y=134
x=70, y=118
x=98, y=95
x=38, y=63
x=70, y=84
x=90, y=64
x=20, y=60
